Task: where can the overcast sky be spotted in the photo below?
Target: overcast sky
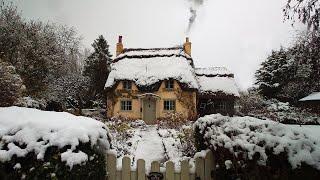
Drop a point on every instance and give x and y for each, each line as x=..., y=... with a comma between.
x=237, y=34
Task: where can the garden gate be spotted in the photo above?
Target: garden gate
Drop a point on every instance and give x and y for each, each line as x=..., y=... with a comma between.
x=204, y=169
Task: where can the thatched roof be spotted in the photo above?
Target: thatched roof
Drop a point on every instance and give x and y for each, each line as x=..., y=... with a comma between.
x=147, y=67
x=216, y=81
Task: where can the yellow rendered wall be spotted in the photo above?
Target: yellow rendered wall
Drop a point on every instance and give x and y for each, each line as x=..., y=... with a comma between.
x=186, y=111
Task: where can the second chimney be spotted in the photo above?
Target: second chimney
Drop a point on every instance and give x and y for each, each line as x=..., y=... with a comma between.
x=119, y=49
x=187, y=46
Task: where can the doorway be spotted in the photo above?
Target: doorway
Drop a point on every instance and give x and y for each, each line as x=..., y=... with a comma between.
x=149, y=110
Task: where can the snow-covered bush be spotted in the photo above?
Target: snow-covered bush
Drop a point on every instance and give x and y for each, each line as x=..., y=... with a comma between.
x=30, y=102
x=11, y=85
x=250, y=101
x=38, y=144
x=262, y=147
x=253, y=104
x=187, y=141
x=172, y=120
x=122, y=130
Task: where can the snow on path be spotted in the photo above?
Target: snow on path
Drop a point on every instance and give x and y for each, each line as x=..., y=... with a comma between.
x=150, y=147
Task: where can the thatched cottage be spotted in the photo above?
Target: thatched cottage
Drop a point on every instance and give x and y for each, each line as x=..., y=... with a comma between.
x=153, y=83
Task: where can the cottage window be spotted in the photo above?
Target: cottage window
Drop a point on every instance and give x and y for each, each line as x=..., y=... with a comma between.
x=126, y=105
x=127, y=85
x=203, y=105
x=222, y=105
x=169, y=105
x=169, y=84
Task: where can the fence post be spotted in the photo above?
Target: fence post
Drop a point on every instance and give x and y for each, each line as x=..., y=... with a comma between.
x=169, y=170
x=155, y=166
x=200, y=168
x=141, y=169
x=111, y=166
x=185, y=170
x=126, y=169
x=209, y=165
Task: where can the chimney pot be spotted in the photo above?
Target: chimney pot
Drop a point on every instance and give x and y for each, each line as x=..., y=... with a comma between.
x=187, y=46
x=119, y=48
x=120, y=39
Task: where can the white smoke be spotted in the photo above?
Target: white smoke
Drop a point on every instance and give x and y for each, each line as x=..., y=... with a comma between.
x=194, y=6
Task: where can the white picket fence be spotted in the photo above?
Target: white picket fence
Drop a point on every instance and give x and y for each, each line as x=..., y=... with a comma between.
x=204, y=169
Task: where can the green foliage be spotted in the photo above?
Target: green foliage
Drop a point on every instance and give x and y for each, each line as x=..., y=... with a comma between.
x=97, y=65
x=51, y=167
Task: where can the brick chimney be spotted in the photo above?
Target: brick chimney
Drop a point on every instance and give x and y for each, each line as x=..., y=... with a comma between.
x=119, y=49
x=187, y=46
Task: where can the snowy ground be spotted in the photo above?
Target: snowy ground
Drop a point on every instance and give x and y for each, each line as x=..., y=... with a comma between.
x=148, y=142
x=311, y=130
x=153, y=143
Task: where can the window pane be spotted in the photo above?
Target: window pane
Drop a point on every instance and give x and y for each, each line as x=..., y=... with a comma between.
x=127, y=85
x=169, y=105
x=169, y=84
x=129, y=105
x=126, y=105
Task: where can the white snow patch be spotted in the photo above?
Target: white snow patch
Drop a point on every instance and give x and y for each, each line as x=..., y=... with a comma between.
x=17, y=166
x=150, y=147
x=226, y=85
x=201, y=154
x=73, y=158
x=312, y=97
x=39, y=130
x=228, y=164
x=251, y=135
x=213, y=71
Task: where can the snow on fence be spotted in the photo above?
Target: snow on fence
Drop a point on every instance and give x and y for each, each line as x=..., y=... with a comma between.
x=204, y=169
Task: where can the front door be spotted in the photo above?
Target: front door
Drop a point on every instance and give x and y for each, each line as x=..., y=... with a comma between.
x=149, y=110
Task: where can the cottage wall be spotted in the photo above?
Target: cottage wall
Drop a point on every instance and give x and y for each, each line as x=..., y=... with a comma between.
x=185, y=101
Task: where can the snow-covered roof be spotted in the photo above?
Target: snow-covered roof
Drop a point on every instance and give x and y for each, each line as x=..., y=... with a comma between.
x=312, y=97
x=212, y=85
x=216, y=80
x=146, y=67
x=39, y=130
x=213, y=71
x=129, y=52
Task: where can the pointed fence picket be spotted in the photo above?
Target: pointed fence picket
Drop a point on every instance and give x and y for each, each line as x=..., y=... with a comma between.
x=204, y=169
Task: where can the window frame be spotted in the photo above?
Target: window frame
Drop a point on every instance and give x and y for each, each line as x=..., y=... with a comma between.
x=222, y=105
x=127, y=85
x=203, y=105
x=169, y=84
x=126, y=105
x=171, y=106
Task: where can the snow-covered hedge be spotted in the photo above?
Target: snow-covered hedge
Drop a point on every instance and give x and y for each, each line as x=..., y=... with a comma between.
x=36, y=144
x=250, y=142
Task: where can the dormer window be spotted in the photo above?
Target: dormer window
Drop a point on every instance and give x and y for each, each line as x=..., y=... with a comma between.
x=169, y=84
x=127, y=85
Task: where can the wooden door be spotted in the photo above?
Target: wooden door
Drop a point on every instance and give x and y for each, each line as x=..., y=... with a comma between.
x=149, y=111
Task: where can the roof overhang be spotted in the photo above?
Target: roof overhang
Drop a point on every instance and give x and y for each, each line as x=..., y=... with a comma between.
x=149, y=95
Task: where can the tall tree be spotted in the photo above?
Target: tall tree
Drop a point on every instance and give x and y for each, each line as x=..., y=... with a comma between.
x=290, y=74
x=307, y=11
x=40, y=52
x=97, y=66
x=273, y=73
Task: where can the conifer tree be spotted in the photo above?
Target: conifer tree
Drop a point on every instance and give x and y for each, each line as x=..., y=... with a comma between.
x=97, y=65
